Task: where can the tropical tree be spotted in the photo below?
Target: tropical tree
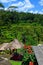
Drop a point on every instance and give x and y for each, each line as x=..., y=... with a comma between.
x=1, y=6
x=11, y=8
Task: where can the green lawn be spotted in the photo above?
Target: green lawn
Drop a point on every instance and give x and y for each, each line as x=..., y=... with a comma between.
x=15, y=62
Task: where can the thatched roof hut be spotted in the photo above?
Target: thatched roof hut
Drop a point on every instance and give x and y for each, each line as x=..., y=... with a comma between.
x=15, y=44
x=4, y=46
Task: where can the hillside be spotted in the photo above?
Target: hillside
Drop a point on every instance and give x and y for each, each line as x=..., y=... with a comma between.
x=21, y=26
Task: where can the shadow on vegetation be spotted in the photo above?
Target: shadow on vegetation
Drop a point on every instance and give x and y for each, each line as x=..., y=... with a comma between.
x=16, y=57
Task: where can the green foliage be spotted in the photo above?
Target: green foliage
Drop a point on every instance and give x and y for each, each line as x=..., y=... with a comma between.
x=15, y=62
x=33, y=34
x=32, y=57
x=25, y=55
x=7, y=51
x=1, y=5
x=14, y=25
x=28, y=57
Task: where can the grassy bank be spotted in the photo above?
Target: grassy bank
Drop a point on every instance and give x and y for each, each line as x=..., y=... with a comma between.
x=15, y=62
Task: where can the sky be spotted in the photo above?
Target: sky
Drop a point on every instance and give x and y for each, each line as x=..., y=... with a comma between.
x=32, y=6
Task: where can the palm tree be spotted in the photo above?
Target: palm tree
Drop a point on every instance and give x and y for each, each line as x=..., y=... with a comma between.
x=1, y=6
x=11, y=8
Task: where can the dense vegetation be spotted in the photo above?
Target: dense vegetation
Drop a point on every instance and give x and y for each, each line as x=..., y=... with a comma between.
x=21, y=25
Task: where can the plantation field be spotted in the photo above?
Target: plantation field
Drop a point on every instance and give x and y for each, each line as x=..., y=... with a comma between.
x=32, y=32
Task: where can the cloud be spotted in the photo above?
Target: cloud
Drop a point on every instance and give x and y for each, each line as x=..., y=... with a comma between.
x=17, y=4
x=36, y=11
x=40, y=12
x=13, y=0
x=41, y=2
x=24, y=6
x=6, y=1
x=5, y=9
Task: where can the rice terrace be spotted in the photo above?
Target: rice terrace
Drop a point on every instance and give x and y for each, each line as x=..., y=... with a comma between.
x=21, y=34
